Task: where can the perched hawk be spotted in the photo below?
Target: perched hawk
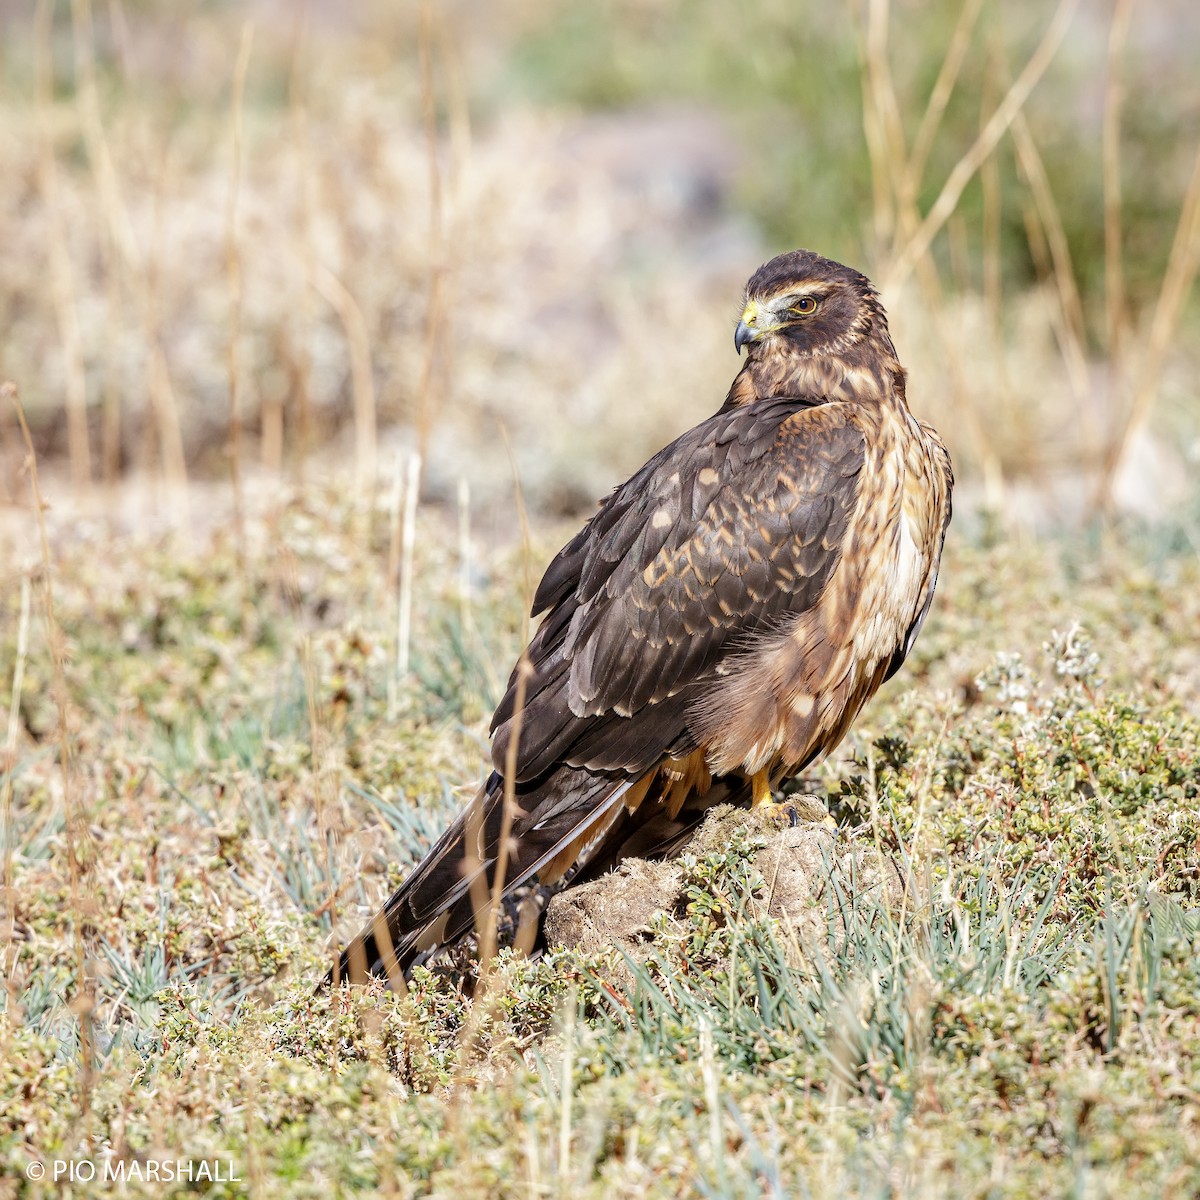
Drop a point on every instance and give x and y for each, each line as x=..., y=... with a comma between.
x=718, y=623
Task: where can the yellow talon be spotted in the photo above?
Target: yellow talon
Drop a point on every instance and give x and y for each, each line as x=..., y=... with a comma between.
x=760, y=783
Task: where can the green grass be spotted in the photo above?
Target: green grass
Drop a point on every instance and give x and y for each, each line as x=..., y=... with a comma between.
x=1025, y=1023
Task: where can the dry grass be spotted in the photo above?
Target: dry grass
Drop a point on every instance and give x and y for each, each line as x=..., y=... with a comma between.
x=383, y=256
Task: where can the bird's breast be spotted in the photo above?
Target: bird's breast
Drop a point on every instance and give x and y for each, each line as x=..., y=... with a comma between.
x=844, y=646
x=794, y=695
x=891, y=549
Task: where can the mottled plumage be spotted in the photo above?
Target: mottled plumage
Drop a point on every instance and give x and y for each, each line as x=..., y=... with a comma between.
x=719, y=622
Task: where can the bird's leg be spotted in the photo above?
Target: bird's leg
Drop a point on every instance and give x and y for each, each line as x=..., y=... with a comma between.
x=760, y=784
x=779, y=812
x=788, y=810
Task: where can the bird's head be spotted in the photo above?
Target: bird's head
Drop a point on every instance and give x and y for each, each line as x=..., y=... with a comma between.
x=800, y=305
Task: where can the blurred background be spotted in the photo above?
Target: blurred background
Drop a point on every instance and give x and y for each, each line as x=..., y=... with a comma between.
x=275, y=241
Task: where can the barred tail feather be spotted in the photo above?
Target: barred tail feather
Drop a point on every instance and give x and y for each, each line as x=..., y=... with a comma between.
x=449, y=892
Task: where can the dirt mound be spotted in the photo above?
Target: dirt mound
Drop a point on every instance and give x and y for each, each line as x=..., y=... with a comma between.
x=802, y=850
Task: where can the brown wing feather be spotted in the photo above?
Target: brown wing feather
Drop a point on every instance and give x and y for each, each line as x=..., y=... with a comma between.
x=735, y=526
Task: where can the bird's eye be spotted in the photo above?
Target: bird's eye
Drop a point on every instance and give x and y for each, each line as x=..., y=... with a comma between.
x=805, y=306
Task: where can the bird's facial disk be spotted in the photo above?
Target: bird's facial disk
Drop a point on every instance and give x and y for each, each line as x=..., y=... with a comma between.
x=796, y=306
x=809, y=314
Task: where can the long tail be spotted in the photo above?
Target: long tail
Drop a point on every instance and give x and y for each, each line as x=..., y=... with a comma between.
x=571, y=825
x=450, y=891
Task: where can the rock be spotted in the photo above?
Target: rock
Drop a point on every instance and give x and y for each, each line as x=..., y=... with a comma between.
x=614, y=910
x=796, y=862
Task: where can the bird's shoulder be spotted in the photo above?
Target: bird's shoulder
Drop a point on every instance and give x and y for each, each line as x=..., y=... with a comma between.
x=733, y=464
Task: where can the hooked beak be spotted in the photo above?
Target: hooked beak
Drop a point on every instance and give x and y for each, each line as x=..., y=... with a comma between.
x=752, y=327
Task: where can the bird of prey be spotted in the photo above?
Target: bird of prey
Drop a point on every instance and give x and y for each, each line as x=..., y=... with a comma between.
x=715, y=627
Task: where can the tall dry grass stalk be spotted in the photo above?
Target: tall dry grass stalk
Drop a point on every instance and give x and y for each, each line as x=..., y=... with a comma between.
x=116, y=240
x=487, y=921
x=164, y=404
x=62, y=274
x=486, y=901
x=1070, y=327
x=939, y=96
x=457, y=101
x=712, y=1093
x=401, y=569
x=1115, y=314
x=395, y=509
x=125, y=260
x=300, y=355
x=408, y=547
x=464, y=554
x=7, y=829
x=1182, y=265
x=233, y=271
x=432, y=347
x=872, y=74
x=74, y=820
x=524, y=672
x=292, y=347
x=898, y=176
x=992, y=219
x=918, y=243
x=318, y=751
x=887, y=106
x=111, y=421
x=358, y=341
x=901, y=182
x=100, y=159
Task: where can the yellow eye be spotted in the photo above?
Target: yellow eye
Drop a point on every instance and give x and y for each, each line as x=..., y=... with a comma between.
x=805, y=306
